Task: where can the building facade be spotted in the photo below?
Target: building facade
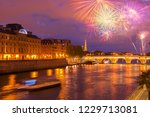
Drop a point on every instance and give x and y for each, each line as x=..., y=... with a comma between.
x=18, y=44
x=19, y=47
x=54, y=48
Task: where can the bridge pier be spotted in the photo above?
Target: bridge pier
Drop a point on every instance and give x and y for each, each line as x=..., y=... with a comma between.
x=128, y=60
x=143, y=60
x=113, y=60
x=100, y=61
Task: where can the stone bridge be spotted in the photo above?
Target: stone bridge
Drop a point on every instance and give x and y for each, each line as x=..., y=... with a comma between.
x=114, y=59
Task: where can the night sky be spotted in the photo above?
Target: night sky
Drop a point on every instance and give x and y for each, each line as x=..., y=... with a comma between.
x=56, y=19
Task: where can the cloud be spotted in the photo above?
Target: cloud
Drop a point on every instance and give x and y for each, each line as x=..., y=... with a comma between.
x=44, y=20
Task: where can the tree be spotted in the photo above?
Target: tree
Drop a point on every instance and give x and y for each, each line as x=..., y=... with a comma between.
x=148, y=54
x=70, y=51
x=144, y=79
x=74, y=51
x=97, y=53
x=78, y=51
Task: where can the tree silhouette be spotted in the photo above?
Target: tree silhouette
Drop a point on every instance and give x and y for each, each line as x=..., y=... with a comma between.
x=144, y=79
x=74, y=51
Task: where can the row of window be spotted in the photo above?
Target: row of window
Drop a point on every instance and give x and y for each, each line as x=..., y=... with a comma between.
x=18, y=50
x=8, y=37
x=18, y=44
x=29, y=57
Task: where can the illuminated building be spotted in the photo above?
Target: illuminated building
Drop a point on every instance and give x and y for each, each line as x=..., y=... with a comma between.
x=54, y=48
x=16, y=43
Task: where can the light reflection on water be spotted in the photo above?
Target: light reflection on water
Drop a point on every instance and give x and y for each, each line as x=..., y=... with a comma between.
x=100, y=81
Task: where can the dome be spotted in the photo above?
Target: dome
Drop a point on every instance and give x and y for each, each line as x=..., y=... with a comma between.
x=23, y=31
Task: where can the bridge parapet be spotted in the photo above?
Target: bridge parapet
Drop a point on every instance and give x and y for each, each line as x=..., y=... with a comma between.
x=114, y=59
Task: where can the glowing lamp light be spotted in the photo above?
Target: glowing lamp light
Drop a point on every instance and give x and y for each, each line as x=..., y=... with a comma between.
x=34, y=56
x=7, y=56
x=49, y=72
x=28, y=56
x=34, y=74
x=17, y=56
x=56, y=55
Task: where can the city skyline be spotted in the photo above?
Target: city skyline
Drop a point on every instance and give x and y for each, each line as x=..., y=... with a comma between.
x=55, y=19
x=75, y=50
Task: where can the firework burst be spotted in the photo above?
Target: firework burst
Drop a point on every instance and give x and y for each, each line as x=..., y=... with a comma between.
x=86, y=10
x=132, y=13
x=106, y=35
x=106, y=19
x=122, y=23
x=142, y=36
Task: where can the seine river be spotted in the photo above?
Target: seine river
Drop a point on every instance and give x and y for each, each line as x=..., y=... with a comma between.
x=78, y=82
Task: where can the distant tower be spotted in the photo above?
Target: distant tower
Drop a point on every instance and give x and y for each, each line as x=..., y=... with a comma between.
x=85, y=46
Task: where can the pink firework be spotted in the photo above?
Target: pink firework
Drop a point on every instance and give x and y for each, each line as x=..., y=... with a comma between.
x=133, y=12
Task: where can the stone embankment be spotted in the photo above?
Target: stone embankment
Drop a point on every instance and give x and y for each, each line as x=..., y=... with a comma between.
x=12, y=66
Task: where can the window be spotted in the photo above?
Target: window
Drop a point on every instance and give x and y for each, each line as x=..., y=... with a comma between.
x=2, y=49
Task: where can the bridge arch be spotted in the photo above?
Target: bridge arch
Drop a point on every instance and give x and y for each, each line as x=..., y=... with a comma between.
x=106, y=61
x=96, y=60
x=136, y=61
x=121, y=61
x=148, y=61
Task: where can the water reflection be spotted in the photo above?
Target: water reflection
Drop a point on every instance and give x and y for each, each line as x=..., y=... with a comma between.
x=34, y=74
x=14, y=96
x=49, y=72
x=100, y=81
x=11, y=83
x=60, y=74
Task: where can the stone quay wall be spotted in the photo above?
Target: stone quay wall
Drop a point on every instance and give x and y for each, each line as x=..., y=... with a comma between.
x=13, y=66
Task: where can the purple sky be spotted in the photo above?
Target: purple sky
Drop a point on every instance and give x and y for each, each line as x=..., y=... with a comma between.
x=54, y=18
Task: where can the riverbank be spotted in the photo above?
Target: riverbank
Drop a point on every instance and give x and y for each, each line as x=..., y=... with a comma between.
x=13, y=66
x=139, y=94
